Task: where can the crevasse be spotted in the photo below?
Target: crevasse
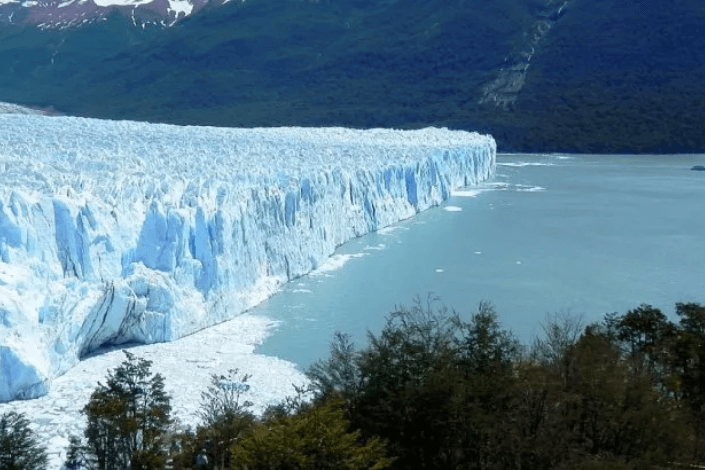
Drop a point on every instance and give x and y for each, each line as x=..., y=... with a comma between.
x=119, y=232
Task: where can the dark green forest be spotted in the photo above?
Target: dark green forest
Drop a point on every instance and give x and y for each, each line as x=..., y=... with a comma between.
x=608, y=76
x=433, y=390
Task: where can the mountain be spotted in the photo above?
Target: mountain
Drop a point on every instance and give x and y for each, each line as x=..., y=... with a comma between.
x=63, y=14
x=540, y=75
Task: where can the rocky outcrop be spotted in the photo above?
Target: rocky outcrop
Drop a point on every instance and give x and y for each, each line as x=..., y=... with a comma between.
x=503, y=91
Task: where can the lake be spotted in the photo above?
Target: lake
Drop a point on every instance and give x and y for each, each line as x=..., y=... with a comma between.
x=583, y=234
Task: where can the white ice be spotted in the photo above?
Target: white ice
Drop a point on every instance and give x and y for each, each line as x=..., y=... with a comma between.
x=125, y=232
x=529, y=189
x=334, y=263
x=523, y=164
x=466, y=193
x=186, y=365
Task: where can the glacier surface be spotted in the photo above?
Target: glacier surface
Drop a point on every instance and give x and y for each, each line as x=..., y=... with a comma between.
x=124, y=232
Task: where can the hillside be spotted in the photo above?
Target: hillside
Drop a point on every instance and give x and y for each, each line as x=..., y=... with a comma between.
x=540, y=75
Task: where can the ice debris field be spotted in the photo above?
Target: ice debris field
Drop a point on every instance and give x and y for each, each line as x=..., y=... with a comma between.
x=124, y=232
x=186, y=365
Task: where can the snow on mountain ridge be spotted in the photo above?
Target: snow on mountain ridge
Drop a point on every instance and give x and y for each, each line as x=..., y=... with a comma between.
x=120, y=232
x=61, y=14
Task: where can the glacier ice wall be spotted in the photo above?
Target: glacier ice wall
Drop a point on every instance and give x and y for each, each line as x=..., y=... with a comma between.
x=118, y=232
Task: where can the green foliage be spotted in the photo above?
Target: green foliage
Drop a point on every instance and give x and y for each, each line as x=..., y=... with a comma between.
x=643, y=329
x=613, y=410
x=77, y=455
x=339, y=374
x=409, y=381
x=225, y=419
x=561, y=331
x=687, y=369
x=484, y=347
x=220, y=403
x=128, y=419
x=423, y=384
x=444, y=392
x=19, y=447
x=315, y=439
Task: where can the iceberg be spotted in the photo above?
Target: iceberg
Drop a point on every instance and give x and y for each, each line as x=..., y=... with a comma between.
x=117, y=232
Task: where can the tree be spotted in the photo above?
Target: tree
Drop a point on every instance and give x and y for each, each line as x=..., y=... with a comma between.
x=128, y=419
x=483, y=345
x=644, y=331
x=446, y=392
x=220, y=403
x=19, y=449
x=561, y=331
x=427, y=384
x=483, y=401
x=316, y=438
x=614, y=412
x=78, y=455
x=408, y=376
x=688, y=362
x=340, y=374
x=225, y=419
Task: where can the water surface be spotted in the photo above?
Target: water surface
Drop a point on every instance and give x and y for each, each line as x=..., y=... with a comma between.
x=549, y=233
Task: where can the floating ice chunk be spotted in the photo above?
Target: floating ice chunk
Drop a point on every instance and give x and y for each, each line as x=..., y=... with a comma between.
x=466, y=192
x=335, y=263
x=529, y=189
x=523, y=164
x=497, y=185
x=452, y=209
x=391, y=230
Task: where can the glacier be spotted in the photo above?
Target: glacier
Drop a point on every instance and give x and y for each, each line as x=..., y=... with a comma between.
x=117, y=232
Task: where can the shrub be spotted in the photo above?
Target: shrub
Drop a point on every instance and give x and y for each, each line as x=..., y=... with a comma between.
x=19, y=449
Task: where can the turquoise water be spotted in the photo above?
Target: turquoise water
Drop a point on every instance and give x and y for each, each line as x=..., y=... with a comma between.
x=550, y=233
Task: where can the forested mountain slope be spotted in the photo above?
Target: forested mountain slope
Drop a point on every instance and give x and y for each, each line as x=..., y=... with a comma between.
x=540, y=75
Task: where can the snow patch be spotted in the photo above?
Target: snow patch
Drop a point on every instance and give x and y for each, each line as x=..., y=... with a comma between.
x=180, y=6
x=126, y=3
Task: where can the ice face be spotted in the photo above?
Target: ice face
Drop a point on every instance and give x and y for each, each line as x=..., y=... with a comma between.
x=124, y=232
